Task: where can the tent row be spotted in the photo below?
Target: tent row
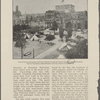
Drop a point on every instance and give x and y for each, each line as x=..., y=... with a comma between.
x=32, y=38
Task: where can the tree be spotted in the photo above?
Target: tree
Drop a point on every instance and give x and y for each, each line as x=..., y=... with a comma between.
x=20, y=42
x=61, y=31
x=69, y=29
x=31, y=18
x=78, y=51
x=86, y=24
x=27, y=20
x=54, y=26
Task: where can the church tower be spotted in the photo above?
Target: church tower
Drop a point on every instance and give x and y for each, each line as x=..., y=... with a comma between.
x=16, y=8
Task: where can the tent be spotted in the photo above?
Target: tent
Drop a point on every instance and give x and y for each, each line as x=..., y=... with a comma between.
x=27, y=36
x=57, y=31
x=62, y=46
x=46, y=32
x=61, y=56
x=34, y=38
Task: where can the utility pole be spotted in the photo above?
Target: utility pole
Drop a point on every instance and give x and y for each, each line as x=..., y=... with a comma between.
x=33, y=53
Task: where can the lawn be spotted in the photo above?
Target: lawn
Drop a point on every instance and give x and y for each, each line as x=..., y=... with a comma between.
x=52, y=55
x=38, y=49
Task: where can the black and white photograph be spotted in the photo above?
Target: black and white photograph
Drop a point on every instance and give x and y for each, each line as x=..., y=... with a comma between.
x=50, y=29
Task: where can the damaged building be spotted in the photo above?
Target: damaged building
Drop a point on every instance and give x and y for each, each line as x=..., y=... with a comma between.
x=66, y=13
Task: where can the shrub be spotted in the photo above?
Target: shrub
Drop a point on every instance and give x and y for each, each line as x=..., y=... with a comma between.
x=20, y=27
x=79, y=51
x=50, y=37
x=35, y=29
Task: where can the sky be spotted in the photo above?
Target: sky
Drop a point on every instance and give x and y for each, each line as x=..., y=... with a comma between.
x=41, y=6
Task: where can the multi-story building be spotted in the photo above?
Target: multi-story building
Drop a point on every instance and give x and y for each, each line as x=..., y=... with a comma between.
x=65, y=8
x=50, y=16
x=68, y=14
x=78, y=19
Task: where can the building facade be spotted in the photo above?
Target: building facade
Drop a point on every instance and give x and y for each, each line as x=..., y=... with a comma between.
x=65, y=8
x=65, y=14
x=78, y=19
x=51, y=16
x=17, y=13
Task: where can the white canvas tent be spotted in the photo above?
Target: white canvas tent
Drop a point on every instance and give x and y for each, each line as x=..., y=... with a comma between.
x=47, y=31
x=62, y=46
x=75, y=35
x=27, y=36
x=61, y=56
x=34, y=38
x=57, y=31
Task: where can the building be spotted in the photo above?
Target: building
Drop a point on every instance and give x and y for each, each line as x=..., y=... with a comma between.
x=50, y=16
x=17, y=13
x=78, y=19
x=69, y=8
x=68, y=14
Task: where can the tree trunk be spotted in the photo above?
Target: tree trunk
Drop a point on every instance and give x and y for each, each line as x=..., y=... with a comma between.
x=21, y=52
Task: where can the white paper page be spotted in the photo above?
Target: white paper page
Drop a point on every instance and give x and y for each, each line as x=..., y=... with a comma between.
x=8, y=62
